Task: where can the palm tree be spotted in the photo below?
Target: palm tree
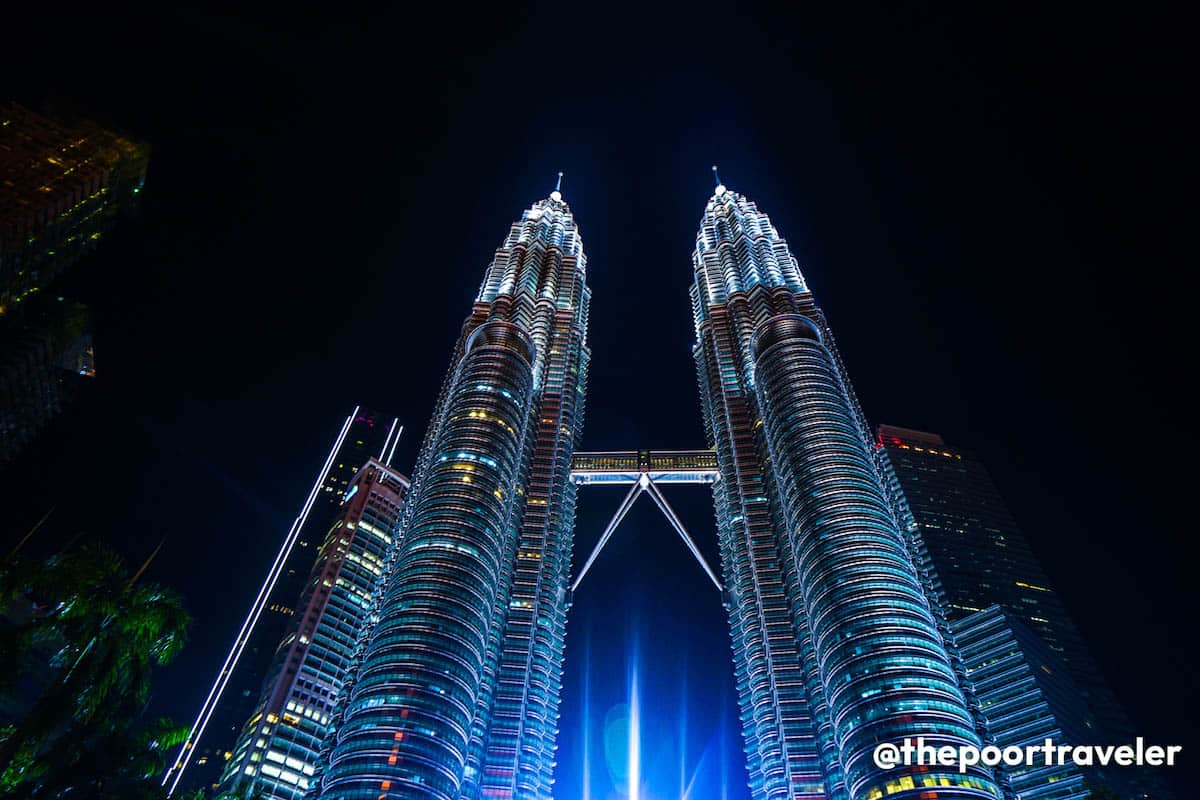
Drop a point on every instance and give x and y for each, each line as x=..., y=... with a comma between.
x=111, y=634
x=126, y=766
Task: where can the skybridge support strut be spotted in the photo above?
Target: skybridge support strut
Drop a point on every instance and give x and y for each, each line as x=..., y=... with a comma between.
x=634, y=491
x=644, y=483
x=652, y=489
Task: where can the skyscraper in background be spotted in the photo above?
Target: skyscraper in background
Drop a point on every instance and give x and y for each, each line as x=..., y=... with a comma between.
x=457, y=690
x=276, y=753
x=836, y=644
x=1025, y=696
x=45, y=353
x=980, y=558
x=980, y=555
x=62, y=186
x=237, y=686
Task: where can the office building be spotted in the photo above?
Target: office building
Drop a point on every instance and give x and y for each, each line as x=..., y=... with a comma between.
x=46, y=356
x=276, y=753
x=979, y=557
x=62, y=187
x=1025, y=696
x=238, y=683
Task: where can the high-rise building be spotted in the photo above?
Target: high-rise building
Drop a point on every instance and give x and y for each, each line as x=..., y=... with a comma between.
x=45, y=354
x=837, y=646
x=840, y=635
x=276, y=753
x=238, y=684
x=980, y=557
x=457, y=688
x=62, y=186
x=1025, y=696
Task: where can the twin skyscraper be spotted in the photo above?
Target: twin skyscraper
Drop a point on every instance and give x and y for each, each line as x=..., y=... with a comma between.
x=840, y=636
x=836, y=645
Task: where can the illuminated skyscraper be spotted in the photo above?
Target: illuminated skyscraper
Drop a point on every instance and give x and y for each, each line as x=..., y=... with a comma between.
x=836, y=644
x=980, y=557
x=61, y=188
x=457, y=690
x=238, y=684
x=979, y=554
x=276, y=753
x=1025, y=695
x=45, y=354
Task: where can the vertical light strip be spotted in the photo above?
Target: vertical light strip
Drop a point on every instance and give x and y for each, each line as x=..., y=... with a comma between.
x=388, y=438
x=395, y=441
x=260, y=602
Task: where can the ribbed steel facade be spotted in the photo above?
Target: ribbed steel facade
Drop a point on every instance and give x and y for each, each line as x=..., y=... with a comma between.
x=457, y=686
x=836, y=644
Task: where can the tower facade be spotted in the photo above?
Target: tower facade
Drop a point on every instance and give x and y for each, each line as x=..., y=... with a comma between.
x=457, y=686
x=277, y=750
x=836, y=644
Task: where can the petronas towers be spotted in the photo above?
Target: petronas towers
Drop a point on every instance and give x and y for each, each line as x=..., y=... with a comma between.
x=454, y=689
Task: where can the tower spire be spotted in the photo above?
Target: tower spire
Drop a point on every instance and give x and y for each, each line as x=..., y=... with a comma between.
x=556, y=195
x=720, y=190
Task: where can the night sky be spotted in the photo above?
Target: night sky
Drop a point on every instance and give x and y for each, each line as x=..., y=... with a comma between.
x=979, y=199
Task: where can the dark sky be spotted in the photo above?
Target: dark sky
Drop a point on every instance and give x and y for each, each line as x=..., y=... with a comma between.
x=980, y=199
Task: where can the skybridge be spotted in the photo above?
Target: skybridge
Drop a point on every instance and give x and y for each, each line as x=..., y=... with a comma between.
x=643, y=471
